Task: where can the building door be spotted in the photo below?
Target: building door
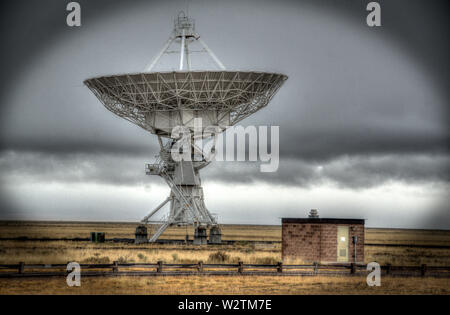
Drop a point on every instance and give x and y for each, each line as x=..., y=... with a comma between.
x=342, y=243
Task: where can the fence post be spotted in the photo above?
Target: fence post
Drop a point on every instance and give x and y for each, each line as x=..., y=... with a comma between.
x=280, y=267
x=423, y=270
x=200, y=266
x=115, y=266
x=21, y=267
x=241, y=267
x=159, y=266
x=352, y=268
x=316, y=267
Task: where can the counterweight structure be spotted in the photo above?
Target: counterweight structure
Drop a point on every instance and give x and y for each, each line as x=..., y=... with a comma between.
x=159, y=102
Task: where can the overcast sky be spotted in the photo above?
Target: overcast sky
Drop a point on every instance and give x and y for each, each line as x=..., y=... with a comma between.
x=363, y=116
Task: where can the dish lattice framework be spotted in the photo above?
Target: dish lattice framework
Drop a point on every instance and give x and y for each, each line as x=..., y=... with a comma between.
x=227, y=96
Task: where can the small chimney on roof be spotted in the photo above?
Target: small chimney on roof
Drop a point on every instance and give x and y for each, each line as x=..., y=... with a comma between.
x=314, y=214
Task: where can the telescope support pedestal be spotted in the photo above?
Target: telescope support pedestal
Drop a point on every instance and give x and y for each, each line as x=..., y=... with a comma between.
x=187, y=206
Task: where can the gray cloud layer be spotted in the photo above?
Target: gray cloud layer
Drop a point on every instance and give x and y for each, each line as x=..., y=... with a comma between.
x=355, y=172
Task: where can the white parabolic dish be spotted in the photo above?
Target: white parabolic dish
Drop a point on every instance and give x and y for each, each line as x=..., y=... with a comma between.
x=160, y=101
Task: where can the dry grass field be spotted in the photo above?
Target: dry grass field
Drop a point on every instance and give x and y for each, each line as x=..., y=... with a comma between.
x=62, y=251
x=233, y=285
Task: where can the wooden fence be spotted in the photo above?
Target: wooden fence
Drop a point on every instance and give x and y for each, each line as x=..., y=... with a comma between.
x=163, y=269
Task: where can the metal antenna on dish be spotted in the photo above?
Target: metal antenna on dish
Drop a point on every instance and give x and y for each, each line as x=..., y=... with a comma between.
x=185, y=35
x=162, y=102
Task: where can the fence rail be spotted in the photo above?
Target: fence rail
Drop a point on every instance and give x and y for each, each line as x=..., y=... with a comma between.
x=224, y=242
x=200, y=268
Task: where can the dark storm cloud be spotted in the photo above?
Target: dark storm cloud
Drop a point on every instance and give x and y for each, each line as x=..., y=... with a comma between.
x=330, y=143
x=356, y=172
x=97, y=168
x=90, y=146
x=361, y=172
x=340, y=109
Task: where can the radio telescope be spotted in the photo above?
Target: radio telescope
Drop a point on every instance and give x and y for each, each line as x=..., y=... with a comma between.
x=161, y=101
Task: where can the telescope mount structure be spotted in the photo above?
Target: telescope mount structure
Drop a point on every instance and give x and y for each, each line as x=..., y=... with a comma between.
x=160, y=102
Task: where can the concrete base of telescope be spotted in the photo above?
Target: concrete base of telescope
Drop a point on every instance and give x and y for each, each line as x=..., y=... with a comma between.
x=200, y=236
x=215, y=235
x=141, y=235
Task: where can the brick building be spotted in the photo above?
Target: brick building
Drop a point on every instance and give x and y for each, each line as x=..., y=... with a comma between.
x=323, y=240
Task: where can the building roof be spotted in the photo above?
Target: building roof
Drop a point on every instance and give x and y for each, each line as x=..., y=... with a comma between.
x=322, y=220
